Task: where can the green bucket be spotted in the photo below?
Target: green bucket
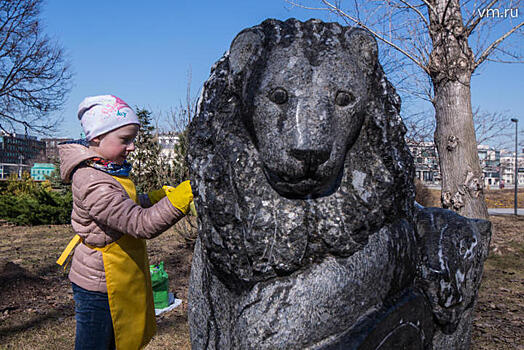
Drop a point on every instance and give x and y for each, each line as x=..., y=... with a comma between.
x=160, y=284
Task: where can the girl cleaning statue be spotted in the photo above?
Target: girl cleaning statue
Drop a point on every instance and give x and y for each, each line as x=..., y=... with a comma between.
x=110, y=268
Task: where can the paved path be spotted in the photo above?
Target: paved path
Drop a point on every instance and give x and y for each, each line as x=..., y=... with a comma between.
x=505, y=211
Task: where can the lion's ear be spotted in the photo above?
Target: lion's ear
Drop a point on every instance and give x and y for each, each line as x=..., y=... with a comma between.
x=362, y=43
x=246, y=45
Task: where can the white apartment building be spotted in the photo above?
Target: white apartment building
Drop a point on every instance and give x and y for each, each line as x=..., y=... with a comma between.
x=497, y=166
x=167, y=144
x=490, y=164
x=426, y=162
x=507, y=168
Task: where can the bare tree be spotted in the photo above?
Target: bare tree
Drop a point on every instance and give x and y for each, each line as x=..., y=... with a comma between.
x=420, y=127
x=447, y=40
x=492, y=127
x=179, y=122
x=35, y=76
x=180, y=118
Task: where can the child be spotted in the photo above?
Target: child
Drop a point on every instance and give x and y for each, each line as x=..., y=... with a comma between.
x=110, y=269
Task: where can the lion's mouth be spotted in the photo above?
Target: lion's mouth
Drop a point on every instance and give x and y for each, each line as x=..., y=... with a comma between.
x=311, y=185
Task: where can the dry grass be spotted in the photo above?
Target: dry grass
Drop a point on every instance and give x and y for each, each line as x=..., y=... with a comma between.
x=35, y=297
x=499, y=311
x=504, y=198
x=429, y=197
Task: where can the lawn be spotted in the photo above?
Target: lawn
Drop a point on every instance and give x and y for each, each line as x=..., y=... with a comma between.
x=494, y=198
x=36, y=306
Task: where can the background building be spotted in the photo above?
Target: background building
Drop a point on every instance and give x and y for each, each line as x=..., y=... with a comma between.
x=18, y=153
x=490, y=165
x=425, y=158
x=167, y=144
x=507, y=168
x=39, y=171
x=498, y=166
x=51, y=148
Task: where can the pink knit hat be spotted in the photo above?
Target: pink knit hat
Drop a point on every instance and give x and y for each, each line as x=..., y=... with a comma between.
x=101, y=114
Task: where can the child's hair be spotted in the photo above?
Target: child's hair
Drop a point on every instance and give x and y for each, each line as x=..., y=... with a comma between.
x=101, y=114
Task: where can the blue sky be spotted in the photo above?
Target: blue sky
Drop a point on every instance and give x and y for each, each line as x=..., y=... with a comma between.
x=142, y=51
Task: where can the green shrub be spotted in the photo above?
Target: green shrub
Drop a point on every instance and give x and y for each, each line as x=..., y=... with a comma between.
x=27, y=202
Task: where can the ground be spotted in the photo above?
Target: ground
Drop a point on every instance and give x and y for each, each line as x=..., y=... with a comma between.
x=505, y=198
x=499, y=318
x=36, y=306
x=494, y=198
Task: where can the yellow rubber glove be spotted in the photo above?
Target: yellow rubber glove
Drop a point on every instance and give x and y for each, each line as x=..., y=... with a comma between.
x=180, y=196
x=156, y=195
x=192, y=209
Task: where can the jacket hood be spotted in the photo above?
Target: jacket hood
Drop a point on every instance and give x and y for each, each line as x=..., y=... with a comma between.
x=71, y=155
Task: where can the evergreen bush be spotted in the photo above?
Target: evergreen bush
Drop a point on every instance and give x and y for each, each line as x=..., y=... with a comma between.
x=27, y=202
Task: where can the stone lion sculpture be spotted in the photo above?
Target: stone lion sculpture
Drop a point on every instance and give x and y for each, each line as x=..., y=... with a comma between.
x=309, y=237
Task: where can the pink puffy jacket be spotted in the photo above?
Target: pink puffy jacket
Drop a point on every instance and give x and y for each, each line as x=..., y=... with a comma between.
x=103, y=212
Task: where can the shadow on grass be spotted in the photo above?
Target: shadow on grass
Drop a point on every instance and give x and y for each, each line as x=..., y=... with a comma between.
x=56, y=314
x=513, y=259
x=174, y=322
x=21, y=291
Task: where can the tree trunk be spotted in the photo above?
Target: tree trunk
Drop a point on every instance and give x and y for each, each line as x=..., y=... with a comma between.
x=451, y=64
x=462, y=178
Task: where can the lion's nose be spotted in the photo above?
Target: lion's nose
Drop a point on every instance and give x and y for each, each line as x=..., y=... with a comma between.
x=313, y=158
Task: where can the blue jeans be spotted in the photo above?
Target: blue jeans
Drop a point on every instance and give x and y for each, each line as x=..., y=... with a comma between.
x=94, y=327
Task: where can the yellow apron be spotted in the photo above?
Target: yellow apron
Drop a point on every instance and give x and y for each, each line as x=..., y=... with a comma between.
x=128, y=285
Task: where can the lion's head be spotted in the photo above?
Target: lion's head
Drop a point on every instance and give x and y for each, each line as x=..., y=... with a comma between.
x=304, y=107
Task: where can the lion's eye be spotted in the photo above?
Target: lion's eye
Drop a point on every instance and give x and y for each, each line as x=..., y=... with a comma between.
x=344, y=98
x=279, y=96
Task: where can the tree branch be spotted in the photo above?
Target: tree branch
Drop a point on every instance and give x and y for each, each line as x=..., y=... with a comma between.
x=473, y=25
x=428, y=4
x=416, y=10
x=503, y=61
x=337, y=10
x=491, y=47
x=296, y=4
x=34, y=76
